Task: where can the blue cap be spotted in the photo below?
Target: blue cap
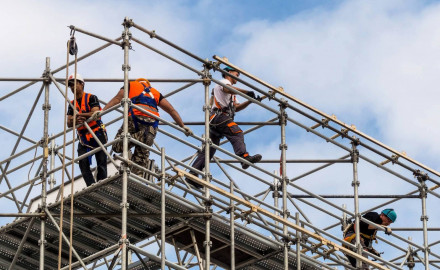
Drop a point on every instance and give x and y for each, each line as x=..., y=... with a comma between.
x=390, y=213
x=227, y=69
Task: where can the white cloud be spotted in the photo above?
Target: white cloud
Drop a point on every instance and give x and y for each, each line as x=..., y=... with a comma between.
x=373, y=64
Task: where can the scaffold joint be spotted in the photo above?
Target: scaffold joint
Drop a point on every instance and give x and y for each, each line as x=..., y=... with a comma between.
x=46, y=107
x=271, y=94
x=423, y=189
x=123, y=168
x=283, y=103
x=276, y=194
x=127, y=22
x=207, y=80
x=355, y=183
x=206, y=108
x=153, y=34
x=421, y=176
x=287, y=213
x=355, y=141
x=44, y=242
x=208, y=203
x=283, y=146
x=422, y=218
x=210, y=65
x=207, y=243
x=411, y=262
x=125, y=100
x=354, y=156
x=124, y=205
x=282, y=118
x=125, y=241
x=344, y=132
x=126, y=67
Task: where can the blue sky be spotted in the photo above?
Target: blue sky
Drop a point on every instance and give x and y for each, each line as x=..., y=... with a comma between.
x=374, y=64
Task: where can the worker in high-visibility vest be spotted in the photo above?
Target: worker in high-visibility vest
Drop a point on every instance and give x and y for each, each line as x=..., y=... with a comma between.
x=87, y=106
x=142, y=126
x=368, y=232
x=222, y=124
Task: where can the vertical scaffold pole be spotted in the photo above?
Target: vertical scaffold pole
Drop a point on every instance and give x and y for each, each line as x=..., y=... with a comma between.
x=284, y=181
x=45, y=143
x=52, y=163
x=126, y=36
x=231, y=219
x=298, y=244
x=276, y=196
x=162, y=208
x=355, y=184
x=207, y=143
x=424, y=218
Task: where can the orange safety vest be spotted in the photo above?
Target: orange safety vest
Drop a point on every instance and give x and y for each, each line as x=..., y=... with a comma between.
x=145, y=97
x=84, y=135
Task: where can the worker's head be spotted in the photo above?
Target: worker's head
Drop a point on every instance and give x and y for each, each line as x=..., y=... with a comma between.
x=388, y=216
x=79, y=82
x=145, y=81
x=231, y=71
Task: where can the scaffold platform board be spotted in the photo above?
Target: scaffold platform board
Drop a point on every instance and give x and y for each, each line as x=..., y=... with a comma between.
x=98, y=227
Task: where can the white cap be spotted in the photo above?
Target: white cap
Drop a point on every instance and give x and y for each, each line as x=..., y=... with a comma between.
x=78, y=77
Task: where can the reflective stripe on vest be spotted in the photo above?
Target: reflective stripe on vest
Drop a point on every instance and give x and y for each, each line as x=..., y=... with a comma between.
x=145, y=97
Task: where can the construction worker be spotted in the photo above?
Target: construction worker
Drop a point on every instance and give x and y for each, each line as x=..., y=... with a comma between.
x=142, y=126
x=222, y=123
x=87, y=106
x=368, y=232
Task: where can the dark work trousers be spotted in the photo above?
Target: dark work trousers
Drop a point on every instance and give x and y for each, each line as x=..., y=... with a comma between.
x=352, y=260
x=84, y=165
x=222, y=125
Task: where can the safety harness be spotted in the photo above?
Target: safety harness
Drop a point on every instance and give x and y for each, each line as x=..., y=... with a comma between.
x=352, y=236
x=145, y=99
x=96, y=125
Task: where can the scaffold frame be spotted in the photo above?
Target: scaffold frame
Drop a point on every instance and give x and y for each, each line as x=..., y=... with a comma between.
x=294, y=239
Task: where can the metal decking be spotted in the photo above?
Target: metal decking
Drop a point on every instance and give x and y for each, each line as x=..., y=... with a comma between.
x=100, y=229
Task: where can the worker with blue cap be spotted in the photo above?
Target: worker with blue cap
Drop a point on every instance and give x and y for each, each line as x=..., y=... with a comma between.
x=368, y=232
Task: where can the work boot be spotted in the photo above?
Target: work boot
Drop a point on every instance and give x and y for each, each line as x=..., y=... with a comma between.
x=192, y=183
x=251, y=159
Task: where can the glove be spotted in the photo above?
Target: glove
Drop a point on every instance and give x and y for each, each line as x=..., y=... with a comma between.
x=388, y=230
x=250, y=94
x=95, y=115
x=188, y=131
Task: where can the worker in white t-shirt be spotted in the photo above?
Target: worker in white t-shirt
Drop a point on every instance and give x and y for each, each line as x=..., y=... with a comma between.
x=222, y=123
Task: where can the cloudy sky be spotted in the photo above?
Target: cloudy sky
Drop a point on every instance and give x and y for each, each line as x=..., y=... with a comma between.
x=374, y=64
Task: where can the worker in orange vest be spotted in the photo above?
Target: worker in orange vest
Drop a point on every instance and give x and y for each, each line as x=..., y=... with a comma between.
x=87, y=106
x=222, y=123
x=142, y=126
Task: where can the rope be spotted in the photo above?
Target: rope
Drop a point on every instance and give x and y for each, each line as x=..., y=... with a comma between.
x=33, y=162
x=73, y=165
x=60, y=239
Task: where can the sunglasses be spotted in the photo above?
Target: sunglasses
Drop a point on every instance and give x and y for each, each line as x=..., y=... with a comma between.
x=72, y=83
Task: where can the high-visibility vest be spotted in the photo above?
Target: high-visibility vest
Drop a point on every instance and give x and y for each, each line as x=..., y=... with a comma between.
x=84, y=135
x=145, y=97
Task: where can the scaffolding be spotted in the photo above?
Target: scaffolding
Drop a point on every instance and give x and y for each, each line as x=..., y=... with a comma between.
x=161, y=221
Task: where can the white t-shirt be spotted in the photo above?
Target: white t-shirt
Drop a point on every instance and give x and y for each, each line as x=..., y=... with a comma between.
x=221, y=97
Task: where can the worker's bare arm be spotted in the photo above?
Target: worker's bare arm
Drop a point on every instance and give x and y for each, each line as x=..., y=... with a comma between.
x=166, y=106
x=115, y=100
